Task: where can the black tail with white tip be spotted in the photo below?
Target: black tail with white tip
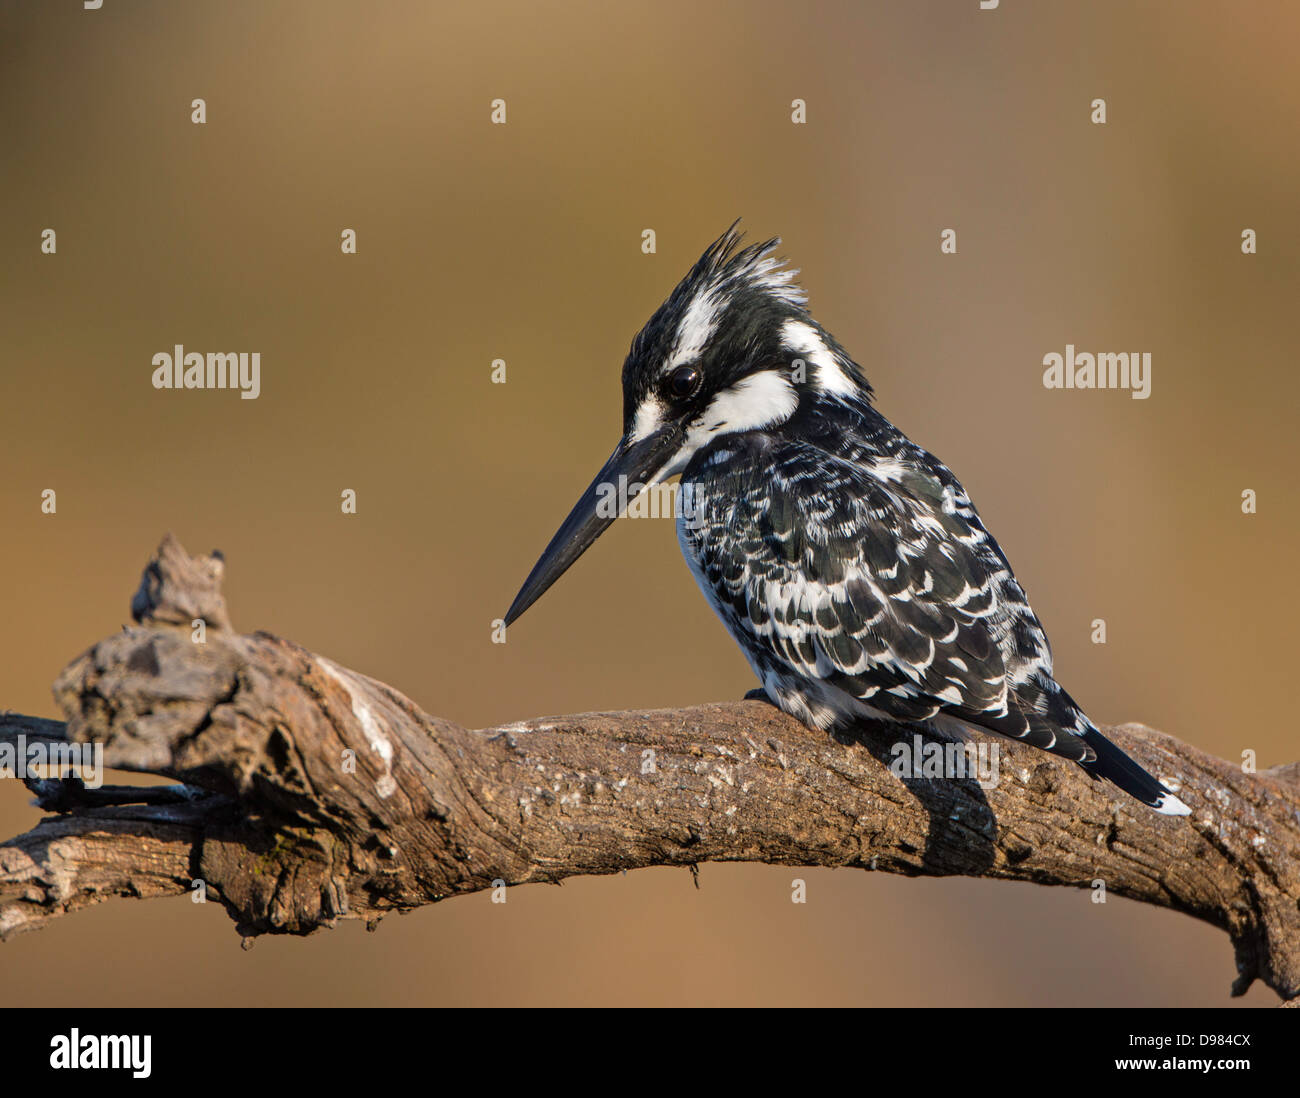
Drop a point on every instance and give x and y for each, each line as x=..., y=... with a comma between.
x=1112, y=764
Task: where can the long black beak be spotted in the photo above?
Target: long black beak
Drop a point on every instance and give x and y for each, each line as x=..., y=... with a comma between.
x=604, y=500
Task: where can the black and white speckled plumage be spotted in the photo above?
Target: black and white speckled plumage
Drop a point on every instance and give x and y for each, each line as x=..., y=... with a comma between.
x=847, y=562
x=856, y=575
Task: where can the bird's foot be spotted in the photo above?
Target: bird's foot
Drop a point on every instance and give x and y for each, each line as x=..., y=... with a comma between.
x=758, y=694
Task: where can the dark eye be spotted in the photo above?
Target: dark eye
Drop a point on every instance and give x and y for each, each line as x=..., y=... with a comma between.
x=683, y=382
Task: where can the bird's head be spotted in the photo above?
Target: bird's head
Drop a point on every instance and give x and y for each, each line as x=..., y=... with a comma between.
x=733, y=349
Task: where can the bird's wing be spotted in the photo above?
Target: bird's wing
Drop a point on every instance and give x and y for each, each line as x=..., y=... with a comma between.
x=877, y=585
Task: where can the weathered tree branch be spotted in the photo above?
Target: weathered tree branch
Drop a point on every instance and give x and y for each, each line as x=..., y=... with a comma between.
x=310, y=793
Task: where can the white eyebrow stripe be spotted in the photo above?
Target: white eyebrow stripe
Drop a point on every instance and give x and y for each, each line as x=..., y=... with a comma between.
x=803, y=340
x=698, y=324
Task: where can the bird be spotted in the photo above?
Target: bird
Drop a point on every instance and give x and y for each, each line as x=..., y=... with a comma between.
x=848, y=563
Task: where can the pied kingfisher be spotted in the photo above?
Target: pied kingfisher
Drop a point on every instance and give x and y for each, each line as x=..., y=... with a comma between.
x=847, y=562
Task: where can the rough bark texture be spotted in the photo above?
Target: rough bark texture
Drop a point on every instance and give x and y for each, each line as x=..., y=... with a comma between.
x=310, y=793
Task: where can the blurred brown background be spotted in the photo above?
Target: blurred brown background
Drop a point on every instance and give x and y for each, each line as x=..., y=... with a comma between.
x=522, y=242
